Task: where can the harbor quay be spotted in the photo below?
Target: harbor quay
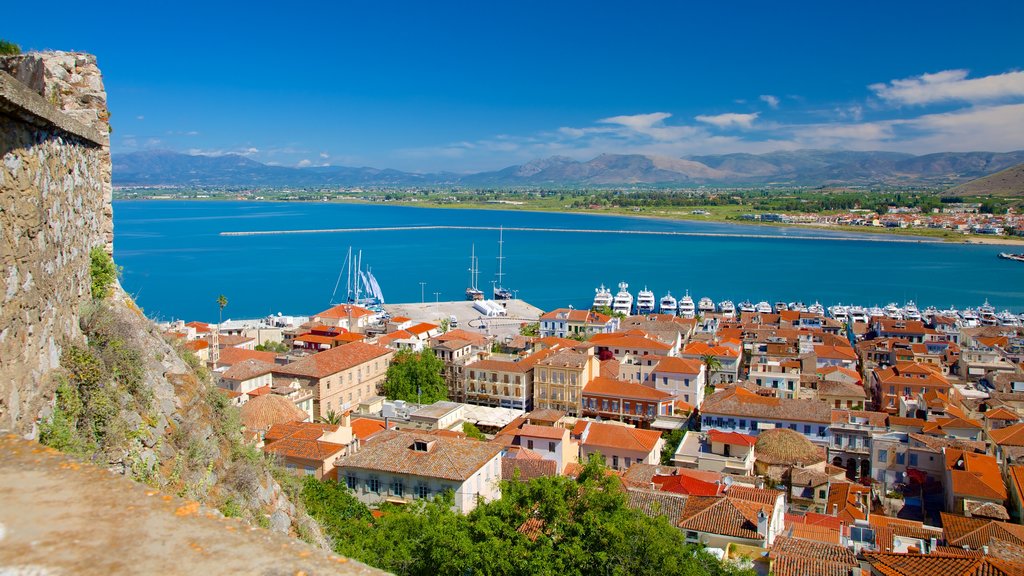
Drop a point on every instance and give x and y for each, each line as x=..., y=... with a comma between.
x=468, y=317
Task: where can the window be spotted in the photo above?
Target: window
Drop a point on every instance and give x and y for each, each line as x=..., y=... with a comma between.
x=373, y=484
x=883, y=455
x=615, y=462
x=309, y=470
x=913, y=459
x=900, y=456
x=822, y=495
x=551, y=446
x=807, y=428
x=422, y=491
x=743, y=424
x=691, y=536
x=529, y=444
x=397, y=487
x=625, y=406
x=351, y=480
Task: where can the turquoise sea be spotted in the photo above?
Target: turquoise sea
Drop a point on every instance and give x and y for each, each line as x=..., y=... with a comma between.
x=176, y=262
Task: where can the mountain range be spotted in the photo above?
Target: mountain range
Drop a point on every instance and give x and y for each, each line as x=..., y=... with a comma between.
x=783, y=168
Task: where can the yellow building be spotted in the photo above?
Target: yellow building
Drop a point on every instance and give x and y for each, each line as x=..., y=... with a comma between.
x=558, y=380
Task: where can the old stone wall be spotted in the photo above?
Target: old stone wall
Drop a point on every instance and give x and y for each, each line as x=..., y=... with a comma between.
x=54, y=207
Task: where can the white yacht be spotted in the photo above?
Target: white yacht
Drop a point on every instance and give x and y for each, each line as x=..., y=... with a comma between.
x=987, y=314
x=668, y=304
x=728, y=309
x=763, y=307
x=706, y=306
x=781, y=307
x=686, y=307
x=858, y=314
x=602, y=297
x=910, y=311
x=623, y=302
x=875, y=312
x=929, y=313
x=747, y=307
x=816, y=308
x=951, y=312
x=969, y=318
x=893, y=311
x=644, y=301
x=840, y=312
x=798, y=306
x=1007, y=318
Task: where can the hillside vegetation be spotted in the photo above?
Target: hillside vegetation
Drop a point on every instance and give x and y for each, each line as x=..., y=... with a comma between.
x=1007, y=183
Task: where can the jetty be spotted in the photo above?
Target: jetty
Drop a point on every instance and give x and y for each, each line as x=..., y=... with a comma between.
x=519, y=312
x=781, y=236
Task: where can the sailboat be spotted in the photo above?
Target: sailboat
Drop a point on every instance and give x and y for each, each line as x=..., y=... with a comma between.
x=474, y=293
x=500, y=292
x=361, y=287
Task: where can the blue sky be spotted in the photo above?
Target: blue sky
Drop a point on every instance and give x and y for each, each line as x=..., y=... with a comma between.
x=468, y=86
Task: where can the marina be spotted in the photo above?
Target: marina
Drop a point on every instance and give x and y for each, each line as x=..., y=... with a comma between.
x=177, y=260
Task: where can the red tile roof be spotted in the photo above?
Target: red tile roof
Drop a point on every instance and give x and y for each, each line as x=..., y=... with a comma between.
x=332, y=361
x=230, y=356
x=1012, y=435
x=890, y=564
x=975, y=475
x=835, y=352
x=674, y=365
x=247, y=370
x=364, y=428
x=600, y=435
x=448, y=458
x=612, y=388
x=344, y=311
x=549, y=432
x=734, y=438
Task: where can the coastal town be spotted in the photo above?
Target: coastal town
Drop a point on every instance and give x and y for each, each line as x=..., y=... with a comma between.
x=787, y=439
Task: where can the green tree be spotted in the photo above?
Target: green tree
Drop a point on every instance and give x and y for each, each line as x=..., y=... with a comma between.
x=331, y=417
x=711, y=364
x=272, y=346
x=102, y=272
x=530, y=329
x=672, y=441
x=222, y=302
x=415, y=377
x=9, y=48
x=472, y=431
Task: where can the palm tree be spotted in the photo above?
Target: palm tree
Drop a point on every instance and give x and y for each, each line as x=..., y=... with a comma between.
x=711, y=364
x=222, y=301
x=331, y=417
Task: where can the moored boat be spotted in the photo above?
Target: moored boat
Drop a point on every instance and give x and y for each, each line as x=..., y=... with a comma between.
x=668, y=304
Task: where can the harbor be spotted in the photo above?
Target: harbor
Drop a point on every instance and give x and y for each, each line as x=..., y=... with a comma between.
x=468, y=317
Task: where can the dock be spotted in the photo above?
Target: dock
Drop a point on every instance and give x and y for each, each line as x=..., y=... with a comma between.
x=519, y=312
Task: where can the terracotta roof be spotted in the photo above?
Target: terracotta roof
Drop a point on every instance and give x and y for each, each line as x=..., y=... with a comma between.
x=549, y=432
x=975, y=475
x=738, y=401
x=656, y=503
x=232, y=340
x=197, y=345
x=733, y=438
x=703, y=349
x=844, y=389
x=528, y=464
x=875, y=419
x=618, y=389
x=545, y=415
x=301, y=440
x=500, y=366
x=911, y=374
x=938, y=444
x=1002, y=413
x=816, y=555
x=262, y=412
x=364, y=428
x=247, y=370
x=837, y=352
x=689, y=484
x=232, y=356
x=674, y=365
x=1012, y=435
x=985, y=510
x=199, y=326
x=323, y=364
x=602, y=435
x=962, y=531
x=723, y=515
x=565, y=359
x=609, y=368
x=639, y=475
x=448, y=458
x=422, y=328
x=890, y=564
x=463, y=335
x=344, y=311
x=829, y=370
x=618, y=340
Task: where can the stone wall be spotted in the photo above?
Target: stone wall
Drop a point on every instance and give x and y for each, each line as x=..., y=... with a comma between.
x=54, y=207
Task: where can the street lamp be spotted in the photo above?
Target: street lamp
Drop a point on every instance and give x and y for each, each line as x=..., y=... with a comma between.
x=422, y=293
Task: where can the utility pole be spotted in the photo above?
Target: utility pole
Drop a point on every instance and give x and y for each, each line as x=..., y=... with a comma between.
x=437, y=304
x=422, y=293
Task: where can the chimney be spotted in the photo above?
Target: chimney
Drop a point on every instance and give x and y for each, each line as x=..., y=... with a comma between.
x=346, y=419
x=933, y=543
x=835, y=509
x=386, y=422
x=762, y=524
x=984, y=549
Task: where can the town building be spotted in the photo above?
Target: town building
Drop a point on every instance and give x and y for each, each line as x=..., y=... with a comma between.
x=340, y=378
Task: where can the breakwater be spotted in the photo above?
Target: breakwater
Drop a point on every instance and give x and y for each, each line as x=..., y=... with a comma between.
x=782, y=236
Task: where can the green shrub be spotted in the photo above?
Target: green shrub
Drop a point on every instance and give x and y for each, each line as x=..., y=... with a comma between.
x=9, y=48
x=102, y=271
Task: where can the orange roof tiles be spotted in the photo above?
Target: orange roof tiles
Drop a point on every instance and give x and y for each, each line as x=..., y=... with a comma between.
x=602, y=435
x=247, y=370
x=734, y=438
x=703, y=349
x=447, y=458
x=724, y=516
x=197, y=345
x=344, y=311
x=676, y=365
x=548, y=432
x=1002, y=413
x=977, y=532
x=890, y=564
x=632, y=341
x=836, y=352
x=230, y=356
x=364, y=428
x=1012, y=435
x=975, y=475
x=332, y=361
x=610, y=387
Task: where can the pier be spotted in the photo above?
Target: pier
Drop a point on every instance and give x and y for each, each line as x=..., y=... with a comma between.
x=519, y=312
x=783, y=236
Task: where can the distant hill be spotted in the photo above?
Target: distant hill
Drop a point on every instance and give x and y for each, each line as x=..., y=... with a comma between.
x=1005, y=183
x=783, y=168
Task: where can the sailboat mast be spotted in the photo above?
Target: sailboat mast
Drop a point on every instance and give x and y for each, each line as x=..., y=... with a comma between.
x=348, y=286
x=501, y=257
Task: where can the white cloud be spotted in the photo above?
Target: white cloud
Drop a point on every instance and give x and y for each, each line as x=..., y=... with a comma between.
x=325, y=155
x=950, y=85
x=772, y=101
x=304, y=163
x=729, y=120
x=140, y=117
